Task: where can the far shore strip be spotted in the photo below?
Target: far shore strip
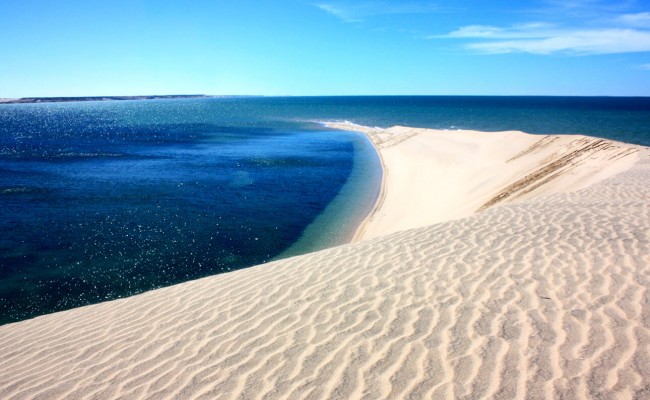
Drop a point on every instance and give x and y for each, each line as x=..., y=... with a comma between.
x=536, y=286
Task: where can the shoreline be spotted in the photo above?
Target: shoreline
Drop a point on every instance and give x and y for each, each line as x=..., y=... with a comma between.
x=339, y=222
x=379, y=200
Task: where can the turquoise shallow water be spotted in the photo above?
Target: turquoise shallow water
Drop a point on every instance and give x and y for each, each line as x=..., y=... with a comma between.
x=101, y=200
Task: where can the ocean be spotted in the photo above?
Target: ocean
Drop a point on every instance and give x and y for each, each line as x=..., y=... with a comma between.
x=102, y=200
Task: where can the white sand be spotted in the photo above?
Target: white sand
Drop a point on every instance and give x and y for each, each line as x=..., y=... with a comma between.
x=434, y=176
x=546, y=296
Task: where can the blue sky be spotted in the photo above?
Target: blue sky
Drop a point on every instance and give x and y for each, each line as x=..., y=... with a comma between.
x=324, y=47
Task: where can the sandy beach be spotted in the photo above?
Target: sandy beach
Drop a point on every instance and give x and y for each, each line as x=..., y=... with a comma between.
x=494, y=265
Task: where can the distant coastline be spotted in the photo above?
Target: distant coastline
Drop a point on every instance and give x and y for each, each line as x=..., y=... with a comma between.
x=102, y=98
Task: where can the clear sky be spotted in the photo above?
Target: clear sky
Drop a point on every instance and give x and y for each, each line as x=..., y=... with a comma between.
x=324, y=47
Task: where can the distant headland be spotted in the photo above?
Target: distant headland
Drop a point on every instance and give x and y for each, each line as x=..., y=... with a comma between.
x=99, y=98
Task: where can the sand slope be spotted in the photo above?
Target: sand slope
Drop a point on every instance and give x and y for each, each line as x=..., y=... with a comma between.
x=546, y=297
x=433, y=176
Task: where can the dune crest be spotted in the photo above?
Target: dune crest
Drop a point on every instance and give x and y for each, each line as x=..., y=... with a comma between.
x=544, y=297
x=432, y=176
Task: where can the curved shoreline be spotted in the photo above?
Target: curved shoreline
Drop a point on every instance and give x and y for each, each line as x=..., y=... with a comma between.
x=339, y=222
x=358, y=235
x=351, y=127
x=379, y=201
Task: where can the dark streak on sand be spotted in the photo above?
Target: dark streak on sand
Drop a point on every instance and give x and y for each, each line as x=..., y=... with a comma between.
x=557, y=167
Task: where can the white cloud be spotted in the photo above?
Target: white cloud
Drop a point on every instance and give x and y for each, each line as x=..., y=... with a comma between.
x=604, y=41
x=542, y=38
x=338, y=12
x=358, y=11
x=533, y=30
x=645, y=67
x=583, y=8
x=580, y=27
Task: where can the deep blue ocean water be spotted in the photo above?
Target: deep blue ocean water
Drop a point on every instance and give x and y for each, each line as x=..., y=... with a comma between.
x=101, y=200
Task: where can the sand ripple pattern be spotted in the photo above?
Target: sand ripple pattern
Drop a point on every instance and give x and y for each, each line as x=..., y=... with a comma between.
x=541, y=299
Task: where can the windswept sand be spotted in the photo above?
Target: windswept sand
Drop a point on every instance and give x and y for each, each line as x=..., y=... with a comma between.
x=546, y=296
x=432, y=176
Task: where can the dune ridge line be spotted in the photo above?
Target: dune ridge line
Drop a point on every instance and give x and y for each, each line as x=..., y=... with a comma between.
x=432, y=176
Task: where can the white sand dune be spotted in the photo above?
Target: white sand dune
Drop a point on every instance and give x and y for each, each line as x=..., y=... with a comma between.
x=435, y=176
x=547, y=296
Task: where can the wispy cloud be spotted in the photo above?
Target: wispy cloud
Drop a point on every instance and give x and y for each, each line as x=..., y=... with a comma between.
x=339, y=12
x=617, y=33
x=358, y=11
x=532, y=30
x=577, y=42
x=569, y=27
x=645, y=67
x=582, y=8
x=639, y=19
